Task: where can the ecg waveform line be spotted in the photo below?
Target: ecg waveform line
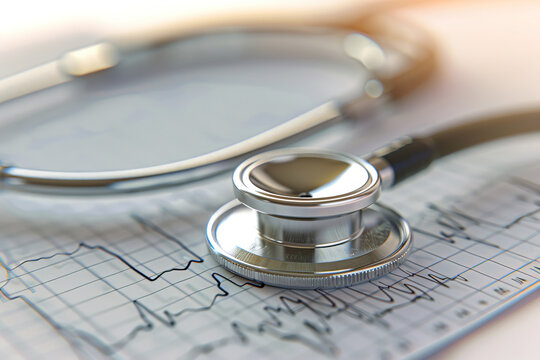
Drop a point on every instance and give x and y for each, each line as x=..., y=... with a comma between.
x=169, y=319
x=330, y=302
x=410, y=289
x=103, y=249
x=324, y=307
x=334, y=303
x=145, y=224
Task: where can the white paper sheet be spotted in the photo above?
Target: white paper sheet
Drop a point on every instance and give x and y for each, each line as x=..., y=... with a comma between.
x=139, y=282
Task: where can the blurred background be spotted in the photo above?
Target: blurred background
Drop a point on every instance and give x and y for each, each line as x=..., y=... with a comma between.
x=192, y=98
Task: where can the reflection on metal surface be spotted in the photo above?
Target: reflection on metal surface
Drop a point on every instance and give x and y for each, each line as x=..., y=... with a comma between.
x=310, y=232
x=302, y=176
x=374, y=88
x=305, y=183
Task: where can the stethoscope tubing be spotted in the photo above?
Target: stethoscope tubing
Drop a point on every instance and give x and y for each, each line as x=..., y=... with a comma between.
x=16, y=178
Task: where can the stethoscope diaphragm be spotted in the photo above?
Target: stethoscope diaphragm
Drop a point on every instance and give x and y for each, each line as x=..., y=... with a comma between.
x=305, y=219
x=237, y=244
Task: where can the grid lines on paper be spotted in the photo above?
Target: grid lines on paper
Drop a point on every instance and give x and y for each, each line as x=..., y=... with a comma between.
x=448, y=281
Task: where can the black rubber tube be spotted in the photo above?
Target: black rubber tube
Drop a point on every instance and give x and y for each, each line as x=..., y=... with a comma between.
x=479, y=131
x=416, y=153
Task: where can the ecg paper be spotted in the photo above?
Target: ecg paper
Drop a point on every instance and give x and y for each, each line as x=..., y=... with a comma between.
x=132, y=278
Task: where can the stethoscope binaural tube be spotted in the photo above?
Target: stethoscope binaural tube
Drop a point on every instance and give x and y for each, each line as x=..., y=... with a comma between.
x=384, y=83
x=308, y=219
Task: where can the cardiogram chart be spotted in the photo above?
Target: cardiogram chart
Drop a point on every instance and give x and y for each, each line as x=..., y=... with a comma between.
x=141, y=283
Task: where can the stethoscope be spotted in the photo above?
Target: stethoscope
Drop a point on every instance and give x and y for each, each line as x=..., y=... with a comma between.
x=302, y=218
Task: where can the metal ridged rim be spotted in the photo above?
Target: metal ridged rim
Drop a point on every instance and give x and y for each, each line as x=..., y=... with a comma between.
x=321, y=282
x=318, y=281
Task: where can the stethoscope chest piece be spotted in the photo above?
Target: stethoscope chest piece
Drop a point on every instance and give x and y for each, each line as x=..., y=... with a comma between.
x=307, y=219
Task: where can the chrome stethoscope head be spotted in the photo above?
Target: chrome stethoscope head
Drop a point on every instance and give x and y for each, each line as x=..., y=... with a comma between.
x=307, y=219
